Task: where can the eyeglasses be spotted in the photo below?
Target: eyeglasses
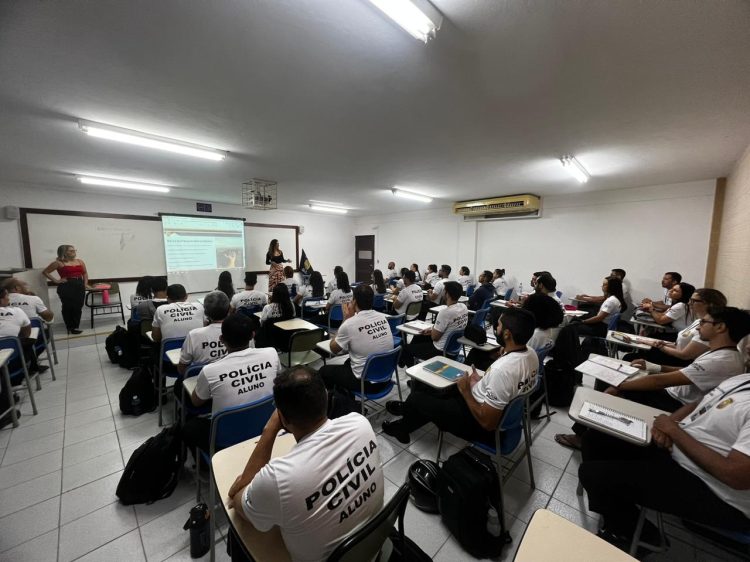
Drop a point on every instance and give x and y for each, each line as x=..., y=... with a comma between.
x=702, y=321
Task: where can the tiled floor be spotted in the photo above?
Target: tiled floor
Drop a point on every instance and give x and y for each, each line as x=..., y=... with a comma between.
x=59, y=471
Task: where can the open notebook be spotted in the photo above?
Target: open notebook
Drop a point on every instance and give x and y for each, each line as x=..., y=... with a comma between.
x=419, y=325
x=616, y=421
x=628, y=338
x=444, y=370
x=610, y=370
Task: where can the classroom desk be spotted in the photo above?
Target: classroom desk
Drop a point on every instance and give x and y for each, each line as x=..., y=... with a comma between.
x=318, y=305
x=227, y=465
x=649, y=324
x=632, y=344
x=575, y=313
x=500, y=303
x=150, y=336
x=296, y=324
x=188, y=385
x=174, y=356
x=549, y=536
x=325, y=347
x=4, y=357
x=258, y=314
x=489, y=345
x=585, y=394
x=431, y=379
x=409, y=328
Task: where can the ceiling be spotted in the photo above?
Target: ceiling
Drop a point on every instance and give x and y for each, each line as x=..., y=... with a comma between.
x=336, y=103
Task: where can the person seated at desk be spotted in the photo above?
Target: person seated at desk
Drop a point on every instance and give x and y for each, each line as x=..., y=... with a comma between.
x=314, y=289
x=332, y=284
x=341, y=295
x=143, y=293
x=390, y=272
x=13, y=323
x=471, y=409
x=547, y=285
x=21, y=297
x=289, y=280
x=614, y=302
x=677, y=313
x=204, y=345
x=176, y=318
x=500, y=282
x=400, y=280
x=225, y=284
x=697, y=467
x=415, y=268
x=314, y=511
x=669, y=280
x=431, y=276
x=485, y=290
x=378, y=283
x=279, y=309
x=249, y=298
x=409, y=294
x=364, y=331
x=465, y=278
x=222, y=383
x=454, y=316
x=435, y=294
x=147, y=309
x=585, y=299
x=619, y=272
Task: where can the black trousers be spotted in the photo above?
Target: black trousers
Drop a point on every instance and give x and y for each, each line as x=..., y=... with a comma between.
x=420, y=347
x=598, y=330
x=619, y=477
x=197, y=434
x=342, y=377
x=72, y=294
x=447, y=410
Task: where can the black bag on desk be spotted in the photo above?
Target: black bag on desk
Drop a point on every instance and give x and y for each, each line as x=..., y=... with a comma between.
x=476, y=334
x=467, y=489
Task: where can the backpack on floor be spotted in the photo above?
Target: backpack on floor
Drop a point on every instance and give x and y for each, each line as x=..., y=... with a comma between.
x=116, y=344
x=562, y=380
x=138, y=396
x=153, y=470
x=468, y=491
x=408, y=552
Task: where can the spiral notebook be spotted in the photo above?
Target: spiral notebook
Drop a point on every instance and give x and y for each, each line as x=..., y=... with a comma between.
x=444, y=370
x=618, y=422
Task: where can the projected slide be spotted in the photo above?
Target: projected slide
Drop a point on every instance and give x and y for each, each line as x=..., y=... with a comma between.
x=198, y=248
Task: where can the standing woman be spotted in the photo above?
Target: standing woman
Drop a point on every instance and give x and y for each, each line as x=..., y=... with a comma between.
x=71, y=287
x=274, y=258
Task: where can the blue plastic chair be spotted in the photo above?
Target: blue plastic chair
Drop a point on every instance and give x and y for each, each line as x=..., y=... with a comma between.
x=393, y=321
x=541, y=382
x=166, y=345
x=480, y=316
x=453, y=347
x=229, y=427
x=20, y=373
x=249, y=311
x=41, y=345
x=184, y=402
x=379, y=368
x=378, y=302
x=469, y=290
x=508, y=294
x=335, y=314
x=308, y=312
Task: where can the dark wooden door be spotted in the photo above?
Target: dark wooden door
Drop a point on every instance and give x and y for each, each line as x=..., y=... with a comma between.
x=364, y=257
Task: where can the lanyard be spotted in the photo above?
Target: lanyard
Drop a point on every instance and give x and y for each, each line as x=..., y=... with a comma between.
x=739, y=388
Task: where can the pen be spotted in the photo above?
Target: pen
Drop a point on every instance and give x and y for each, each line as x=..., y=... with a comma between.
x=626, y=421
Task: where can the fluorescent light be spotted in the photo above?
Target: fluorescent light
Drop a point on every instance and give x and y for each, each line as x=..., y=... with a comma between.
x=420, y=22
x=410, y=195
x=326, y=209
x=150, y=141
x=106, y=182
x=575, y=168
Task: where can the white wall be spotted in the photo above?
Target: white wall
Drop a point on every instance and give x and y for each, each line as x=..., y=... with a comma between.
x=579, y=238
x=327, y=239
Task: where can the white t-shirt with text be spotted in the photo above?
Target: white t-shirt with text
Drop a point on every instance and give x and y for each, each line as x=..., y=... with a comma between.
x=338, y=296
x=12, y=319
x=707, y=372
x=249, y=298
x=177, y=319
x=32, y=305
x=203, y=345
x=410, y=294
x=509, y=376
x=364, y=333
x=453, y=317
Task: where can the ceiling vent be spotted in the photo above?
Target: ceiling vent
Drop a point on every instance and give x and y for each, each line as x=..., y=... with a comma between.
x=497, y=208
x=259, y=194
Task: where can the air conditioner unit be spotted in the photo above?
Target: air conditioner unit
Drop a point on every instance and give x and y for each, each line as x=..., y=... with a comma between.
x=511, y=207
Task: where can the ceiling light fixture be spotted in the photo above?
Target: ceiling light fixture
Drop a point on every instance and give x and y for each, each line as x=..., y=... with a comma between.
x=327, y=209
x=575, y=168
x=400, y=192
x=417, y=17
x=129, y=136
x=107, y=182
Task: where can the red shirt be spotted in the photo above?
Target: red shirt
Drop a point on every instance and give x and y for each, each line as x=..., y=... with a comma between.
x=71, y=271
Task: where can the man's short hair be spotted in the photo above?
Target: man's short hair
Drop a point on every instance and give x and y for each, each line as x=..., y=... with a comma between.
x=619, y=272
x=520, y=323
x=546, y=310
x=11, y=283
x=363, y=296
x=736, y=320
x=237, y=330
x=432, y=267
x=251, y=279
x=464, y=270
x=453, y=289
x=216, y=305
x=547, y=281
x=538, y=273
x=446, y=268
x=487, y=276
x=676, y=277
x=159, y=284
x=410, y=276
x=176, y=292
x=300, y=395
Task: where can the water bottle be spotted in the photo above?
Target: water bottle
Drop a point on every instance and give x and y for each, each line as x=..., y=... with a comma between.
x=520, y=290
x=135, y=402
x=118, y=351
x=493, y=522
x=199, y=530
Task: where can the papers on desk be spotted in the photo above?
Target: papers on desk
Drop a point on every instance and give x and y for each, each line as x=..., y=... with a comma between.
x=612, y=371
x=444, y=370
x=614, y=420
x=419, y=325
x=630, y=338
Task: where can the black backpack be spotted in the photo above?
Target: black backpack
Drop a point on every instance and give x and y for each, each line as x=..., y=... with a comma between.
x=116, y=344
x=138, y=396
x=153, y=470
x=467, y=488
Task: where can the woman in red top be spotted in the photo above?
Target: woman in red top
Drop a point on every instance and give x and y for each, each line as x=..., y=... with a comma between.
x=71, y=287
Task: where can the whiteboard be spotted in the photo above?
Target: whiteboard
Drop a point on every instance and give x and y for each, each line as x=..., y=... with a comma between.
x=257, y=239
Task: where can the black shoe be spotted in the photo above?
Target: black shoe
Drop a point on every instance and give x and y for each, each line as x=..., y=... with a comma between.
x=393, y=429
x=39, y=370
x=16, y=398
x=7, y=420
x=395, y=407
x=76, y=331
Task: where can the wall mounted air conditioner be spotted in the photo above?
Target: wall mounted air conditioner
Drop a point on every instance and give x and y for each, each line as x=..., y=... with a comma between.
x=511, y=207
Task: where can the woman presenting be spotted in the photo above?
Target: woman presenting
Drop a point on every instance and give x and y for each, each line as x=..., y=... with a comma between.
x=71, y=287
x=274, y=258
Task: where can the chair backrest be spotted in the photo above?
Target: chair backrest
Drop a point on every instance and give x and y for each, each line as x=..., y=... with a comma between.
x=305, y=340
x=559, y=294
x=249, y=310
x=413, y=309
x=510, y=428
x=378, y=301
x=167, y=345
x=479, y=316
x=486, y=303
x=240, y=423
x=614, y=320
x=37, y=322
x=193, y=370
x=380, y=366
x=365, y=543
x=13, y=343
x=395, y=320
x=452, y=346
x=469, y=290
x=508, y=294
x=541, y=354
x=336, y=312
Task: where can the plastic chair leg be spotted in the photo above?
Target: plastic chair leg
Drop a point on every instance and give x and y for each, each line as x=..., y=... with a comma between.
x=440, y=446
x=527, y=439
x=6, y=382
x=212, y=511
x=197, y=475
x=28, y=387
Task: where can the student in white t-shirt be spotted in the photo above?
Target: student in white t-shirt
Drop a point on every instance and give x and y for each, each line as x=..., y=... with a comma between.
x=13, y=323
x=614, y=302
x=415, y=268
x=391, y=272
x=341, y=295
x=668, y=280
x=146, y=309
x=465, y=278
x=333, y=283
x=328, y=485
x=178, y=317
x=378, y=283
x=500, y=283
x=697, y=468
x=204, y=345
x=249, y=298
x=363, y=332
x=21, y=297
x=143, y=293
x=431, y=275
x=409, y=294
x=453, y=317
x=677, y=315
x=472, y=408
x=244, y=375
x=289, y=281
x=435, y=295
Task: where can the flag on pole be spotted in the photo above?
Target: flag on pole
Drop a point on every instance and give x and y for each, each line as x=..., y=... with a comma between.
x=304, y=264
